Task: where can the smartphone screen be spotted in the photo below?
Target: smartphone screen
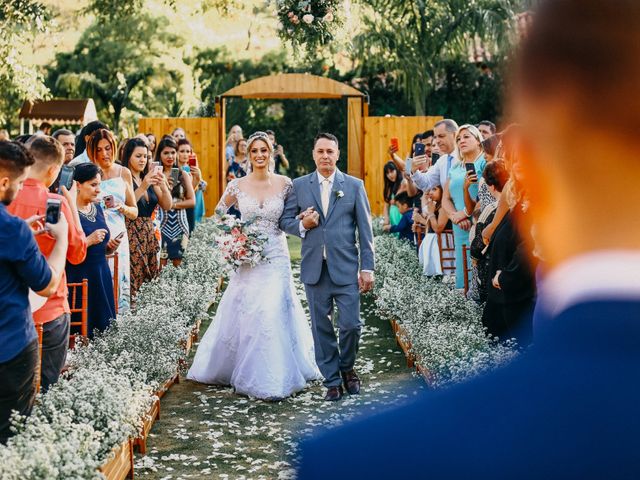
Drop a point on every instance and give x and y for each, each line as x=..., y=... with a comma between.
x=419, y=150
x=471, y=168
x=394, y=143
x=66, y=177
x=109, y=201
x=175, y=173
x=408, y=164
x=53, y=211
x=434, y=158
x=193, y=162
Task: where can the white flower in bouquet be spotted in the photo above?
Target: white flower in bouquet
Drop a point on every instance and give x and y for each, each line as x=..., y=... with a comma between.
x=328, y=17
x=240, y=244
x=308, y=19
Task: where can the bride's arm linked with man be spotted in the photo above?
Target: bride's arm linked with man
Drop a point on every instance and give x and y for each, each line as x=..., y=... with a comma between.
x=326, y=208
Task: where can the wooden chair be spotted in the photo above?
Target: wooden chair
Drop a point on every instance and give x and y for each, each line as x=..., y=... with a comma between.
x=83, y=309
x=446, y=245
x=114, y=257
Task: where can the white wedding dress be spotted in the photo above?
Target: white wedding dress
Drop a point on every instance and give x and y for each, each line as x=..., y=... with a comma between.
x=260, y=341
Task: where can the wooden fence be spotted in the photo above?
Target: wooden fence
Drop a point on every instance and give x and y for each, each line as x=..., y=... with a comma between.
x=378, y=132
x=204, y=135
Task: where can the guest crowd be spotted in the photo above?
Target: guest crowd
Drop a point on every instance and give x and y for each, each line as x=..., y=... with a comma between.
x=446, y=198
x=75, y=208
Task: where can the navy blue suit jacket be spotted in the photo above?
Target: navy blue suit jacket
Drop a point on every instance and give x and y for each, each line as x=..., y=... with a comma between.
x=567, y=408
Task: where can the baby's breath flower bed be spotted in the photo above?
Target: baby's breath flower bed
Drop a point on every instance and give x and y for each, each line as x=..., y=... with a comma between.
x=101, y=402
x=443, y=328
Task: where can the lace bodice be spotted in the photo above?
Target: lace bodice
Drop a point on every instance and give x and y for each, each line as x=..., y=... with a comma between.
x=264, y=215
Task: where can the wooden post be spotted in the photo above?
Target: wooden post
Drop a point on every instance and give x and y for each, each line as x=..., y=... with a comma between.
x=355, y=132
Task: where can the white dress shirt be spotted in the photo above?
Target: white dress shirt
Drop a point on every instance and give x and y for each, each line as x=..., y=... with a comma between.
x=82, y=158
x=437, y=174
x=600, y=275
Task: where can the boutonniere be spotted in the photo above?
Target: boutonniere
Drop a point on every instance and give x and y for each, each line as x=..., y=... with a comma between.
x=339, y=193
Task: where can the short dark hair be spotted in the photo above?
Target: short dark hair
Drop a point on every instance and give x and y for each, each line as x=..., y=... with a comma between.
x=46, y=151
x=85, y=172
x=327, y=136
x=44, y=125
x=88, y=129
x=404, y=199
x=166, y=141
x=487, y=123
x=427, y=134
x=184, y=141
x=495, y=175
x=270, y=132
x=14, y=158
x=62, y=131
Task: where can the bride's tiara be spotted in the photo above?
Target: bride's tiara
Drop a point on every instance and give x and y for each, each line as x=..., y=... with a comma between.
x=259, y=136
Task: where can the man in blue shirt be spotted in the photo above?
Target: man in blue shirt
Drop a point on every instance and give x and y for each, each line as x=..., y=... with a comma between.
x=404, y=227
x=22, y=266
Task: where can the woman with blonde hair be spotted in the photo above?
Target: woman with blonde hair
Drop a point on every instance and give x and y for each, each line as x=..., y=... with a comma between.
x=464, y=175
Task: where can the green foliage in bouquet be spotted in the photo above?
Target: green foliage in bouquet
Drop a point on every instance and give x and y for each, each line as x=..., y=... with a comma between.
x=308, y=23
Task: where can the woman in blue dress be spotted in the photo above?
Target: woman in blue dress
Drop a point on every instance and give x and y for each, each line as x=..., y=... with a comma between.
x=469, y=149
x=118, y=202
x=101, y=307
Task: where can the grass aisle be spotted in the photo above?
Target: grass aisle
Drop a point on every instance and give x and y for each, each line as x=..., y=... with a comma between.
x=209, y=432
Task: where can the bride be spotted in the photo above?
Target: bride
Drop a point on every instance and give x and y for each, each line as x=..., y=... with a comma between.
x=259, y=342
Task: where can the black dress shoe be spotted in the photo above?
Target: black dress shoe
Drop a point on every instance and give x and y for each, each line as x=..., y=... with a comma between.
x=351, y=382
x=334, y=394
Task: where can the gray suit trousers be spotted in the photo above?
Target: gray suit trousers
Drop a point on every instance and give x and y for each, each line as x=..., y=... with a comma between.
x=332, y=355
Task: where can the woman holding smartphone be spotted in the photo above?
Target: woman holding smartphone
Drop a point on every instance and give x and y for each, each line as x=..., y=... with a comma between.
x=151, y=189
x=95, y=267
x=188, y=162
x=119, y=203
x=464, y=175
x=174, y=225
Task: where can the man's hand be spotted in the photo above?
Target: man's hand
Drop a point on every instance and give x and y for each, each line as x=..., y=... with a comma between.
x=35, y=224
x=311, y=221
x=59, y=230
x=365, y=281
x=306, y=213
x=419, y=161
x=71, y=195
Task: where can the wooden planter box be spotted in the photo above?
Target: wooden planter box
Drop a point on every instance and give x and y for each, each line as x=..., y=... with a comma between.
x=167, y=385
x=405, y=345
x=195, y=332
x=154, y=414
x=120, y=464
x=425, y=373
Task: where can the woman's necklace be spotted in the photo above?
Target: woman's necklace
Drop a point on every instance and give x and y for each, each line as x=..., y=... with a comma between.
x=90, y=214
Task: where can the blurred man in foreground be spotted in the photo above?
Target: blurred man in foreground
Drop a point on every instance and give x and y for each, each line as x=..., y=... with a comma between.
x=567, y=408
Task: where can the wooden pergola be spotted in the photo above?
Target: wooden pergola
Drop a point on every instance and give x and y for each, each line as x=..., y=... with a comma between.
x=305, y=86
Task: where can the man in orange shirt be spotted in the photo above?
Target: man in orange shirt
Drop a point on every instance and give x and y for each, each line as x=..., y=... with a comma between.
x=32, y=200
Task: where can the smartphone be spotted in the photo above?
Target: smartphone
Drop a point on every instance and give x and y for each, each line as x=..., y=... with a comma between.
x=419, y=150
x=109, y=201
x=193, y=161
x=175, y=175
x=395, y=144
x=434, y=158
x=119, y=236
x=471, y=168
x=66, y=177
x=408, y=164
x=53, y=210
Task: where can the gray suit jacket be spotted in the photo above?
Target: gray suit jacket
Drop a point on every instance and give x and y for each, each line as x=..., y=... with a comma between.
x=337, y=232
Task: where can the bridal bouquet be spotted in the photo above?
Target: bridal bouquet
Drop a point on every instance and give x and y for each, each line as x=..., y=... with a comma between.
x=239, y=244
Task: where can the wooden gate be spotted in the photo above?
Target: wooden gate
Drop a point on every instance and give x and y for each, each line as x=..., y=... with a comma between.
x=378, y=132
x=204, y=135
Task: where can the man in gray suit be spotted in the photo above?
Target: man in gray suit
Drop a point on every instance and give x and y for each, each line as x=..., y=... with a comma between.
x=325, y=208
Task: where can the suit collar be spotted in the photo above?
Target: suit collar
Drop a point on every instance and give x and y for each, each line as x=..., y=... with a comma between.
x=336, y=176
x=611, y=275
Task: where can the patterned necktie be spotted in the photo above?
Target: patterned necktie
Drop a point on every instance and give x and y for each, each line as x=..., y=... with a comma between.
x=326, y=186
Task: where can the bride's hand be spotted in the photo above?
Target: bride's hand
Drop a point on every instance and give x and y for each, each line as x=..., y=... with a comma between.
x=312, y=220
x=305, y=214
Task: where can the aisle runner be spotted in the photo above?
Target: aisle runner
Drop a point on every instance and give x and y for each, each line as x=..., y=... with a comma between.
x=209, y=431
